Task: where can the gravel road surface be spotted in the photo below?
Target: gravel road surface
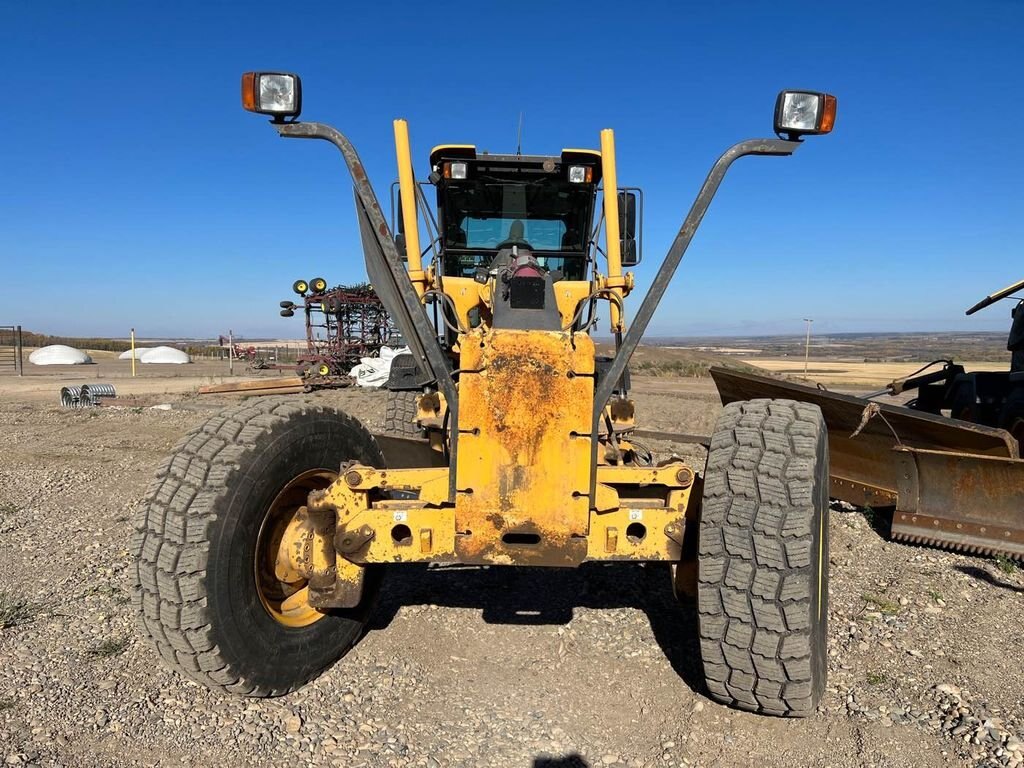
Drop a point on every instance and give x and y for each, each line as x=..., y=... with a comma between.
x=466, y=666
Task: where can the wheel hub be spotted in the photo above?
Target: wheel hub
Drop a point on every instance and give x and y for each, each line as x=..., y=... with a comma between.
x=285, y=554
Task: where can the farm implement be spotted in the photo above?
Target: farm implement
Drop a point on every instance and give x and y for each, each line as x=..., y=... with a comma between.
x=948, y=462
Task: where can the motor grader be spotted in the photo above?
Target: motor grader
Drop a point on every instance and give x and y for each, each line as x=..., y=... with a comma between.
x=261, y=541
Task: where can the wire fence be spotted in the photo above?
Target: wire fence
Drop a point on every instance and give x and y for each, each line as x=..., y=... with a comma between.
x=11, y=349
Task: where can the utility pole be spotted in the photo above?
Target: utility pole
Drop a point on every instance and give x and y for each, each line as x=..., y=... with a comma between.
x=807, y=344
x=231, y=353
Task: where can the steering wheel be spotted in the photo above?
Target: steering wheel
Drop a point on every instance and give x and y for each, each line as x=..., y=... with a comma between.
x=519, y=243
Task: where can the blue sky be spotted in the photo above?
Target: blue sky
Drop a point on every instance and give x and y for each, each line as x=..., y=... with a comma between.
x=135, y=191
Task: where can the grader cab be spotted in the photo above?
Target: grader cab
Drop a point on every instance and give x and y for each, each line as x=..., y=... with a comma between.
x=261, y=541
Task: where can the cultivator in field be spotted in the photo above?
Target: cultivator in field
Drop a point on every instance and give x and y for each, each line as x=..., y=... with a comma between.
x=343, y=325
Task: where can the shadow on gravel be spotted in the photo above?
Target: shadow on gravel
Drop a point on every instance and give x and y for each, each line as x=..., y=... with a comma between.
x=569, y=761
x=982, y=575
x=548, y=596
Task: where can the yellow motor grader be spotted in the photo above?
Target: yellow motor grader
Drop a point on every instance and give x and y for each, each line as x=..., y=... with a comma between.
x=261, y=541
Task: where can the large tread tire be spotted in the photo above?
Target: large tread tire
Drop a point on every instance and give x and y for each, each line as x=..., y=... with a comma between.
x=400, y=414
x=763, y=560
x=1012, y=416
x=195, y=540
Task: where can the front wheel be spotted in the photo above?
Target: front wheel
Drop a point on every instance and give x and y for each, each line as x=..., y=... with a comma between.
x=215, y=587
x=763, y=561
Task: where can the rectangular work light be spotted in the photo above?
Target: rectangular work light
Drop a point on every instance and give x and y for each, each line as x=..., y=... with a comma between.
x=272, y=93
x=454, y=170
x=579, y=174
x=802, y=113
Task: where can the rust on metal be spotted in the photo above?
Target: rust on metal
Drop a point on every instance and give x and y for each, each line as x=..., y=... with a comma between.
x=523, y=471
x=961, y=501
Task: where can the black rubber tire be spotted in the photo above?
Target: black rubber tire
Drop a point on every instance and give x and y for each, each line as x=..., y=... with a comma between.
x=1012, y=416
x=763, y=562
x=195, y=541
x=400, y=414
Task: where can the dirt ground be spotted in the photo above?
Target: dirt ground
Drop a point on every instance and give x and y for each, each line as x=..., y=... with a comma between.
x=467, y=666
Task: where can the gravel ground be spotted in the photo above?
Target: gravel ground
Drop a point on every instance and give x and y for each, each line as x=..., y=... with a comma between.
x=476, y=666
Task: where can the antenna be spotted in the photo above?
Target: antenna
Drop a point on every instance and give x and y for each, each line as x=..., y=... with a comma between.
x=519, y=137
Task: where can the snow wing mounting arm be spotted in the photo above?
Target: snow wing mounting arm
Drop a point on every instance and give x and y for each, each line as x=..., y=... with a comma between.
x=610, y=379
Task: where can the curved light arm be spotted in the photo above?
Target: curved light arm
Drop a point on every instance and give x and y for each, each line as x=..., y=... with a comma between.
x=412, y=315
x=610, y=379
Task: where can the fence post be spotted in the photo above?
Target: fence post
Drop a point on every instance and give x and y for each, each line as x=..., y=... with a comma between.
x=19, y=364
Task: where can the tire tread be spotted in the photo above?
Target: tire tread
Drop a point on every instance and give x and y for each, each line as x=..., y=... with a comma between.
x=756, y=585
x=171, y=532
x=400, y=414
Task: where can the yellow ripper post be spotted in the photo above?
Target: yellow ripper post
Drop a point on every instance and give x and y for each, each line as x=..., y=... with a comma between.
x=611, y=227
x=410, y=218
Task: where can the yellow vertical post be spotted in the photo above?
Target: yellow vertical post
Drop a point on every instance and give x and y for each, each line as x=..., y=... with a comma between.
x=410, y=217
x=133, y=353
x=611, y=224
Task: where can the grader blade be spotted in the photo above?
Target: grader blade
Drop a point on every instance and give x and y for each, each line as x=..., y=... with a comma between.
x=960, y=501
x=953, y=484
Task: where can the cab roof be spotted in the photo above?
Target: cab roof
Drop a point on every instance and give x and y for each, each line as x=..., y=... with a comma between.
x=527, y=163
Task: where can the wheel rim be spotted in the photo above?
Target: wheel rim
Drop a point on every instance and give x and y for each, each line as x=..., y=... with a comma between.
x=282, y=590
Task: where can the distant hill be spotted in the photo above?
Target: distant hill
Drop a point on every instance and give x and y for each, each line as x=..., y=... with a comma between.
x=651, y=360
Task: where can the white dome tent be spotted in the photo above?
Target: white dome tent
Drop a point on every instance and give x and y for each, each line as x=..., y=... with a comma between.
x=164, y=355
x=139, y=352
x=59, y=354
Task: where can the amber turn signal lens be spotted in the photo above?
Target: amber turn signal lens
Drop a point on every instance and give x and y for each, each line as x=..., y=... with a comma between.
x=828, y=115
x=249, y=91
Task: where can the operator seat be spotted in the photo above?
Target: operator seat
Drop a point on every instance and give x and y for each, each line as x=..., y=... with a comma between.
x=456, y=236
x=516, y=233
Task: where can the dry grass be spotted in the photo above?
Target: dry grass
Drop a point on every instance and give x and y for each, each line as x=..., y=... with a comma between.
x=112, y=646
x=14, y=610
x=853, y=372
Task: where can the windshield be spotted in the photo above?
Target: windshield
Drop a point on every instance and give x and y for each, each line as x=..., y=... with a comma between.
x=544, y=215
x=542, y=234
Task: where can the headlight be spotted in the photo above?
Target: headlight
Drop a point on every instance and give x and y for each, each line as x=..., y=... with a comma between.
x=579, y=174
x=272, y=93
x=799, y=113
x=454, y=170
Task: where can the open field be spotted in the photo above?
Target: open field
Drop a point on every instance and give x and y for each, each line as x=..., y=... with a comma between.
x=868, y=347
x=43, y=383
x=465, y=666
x=856, y=373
